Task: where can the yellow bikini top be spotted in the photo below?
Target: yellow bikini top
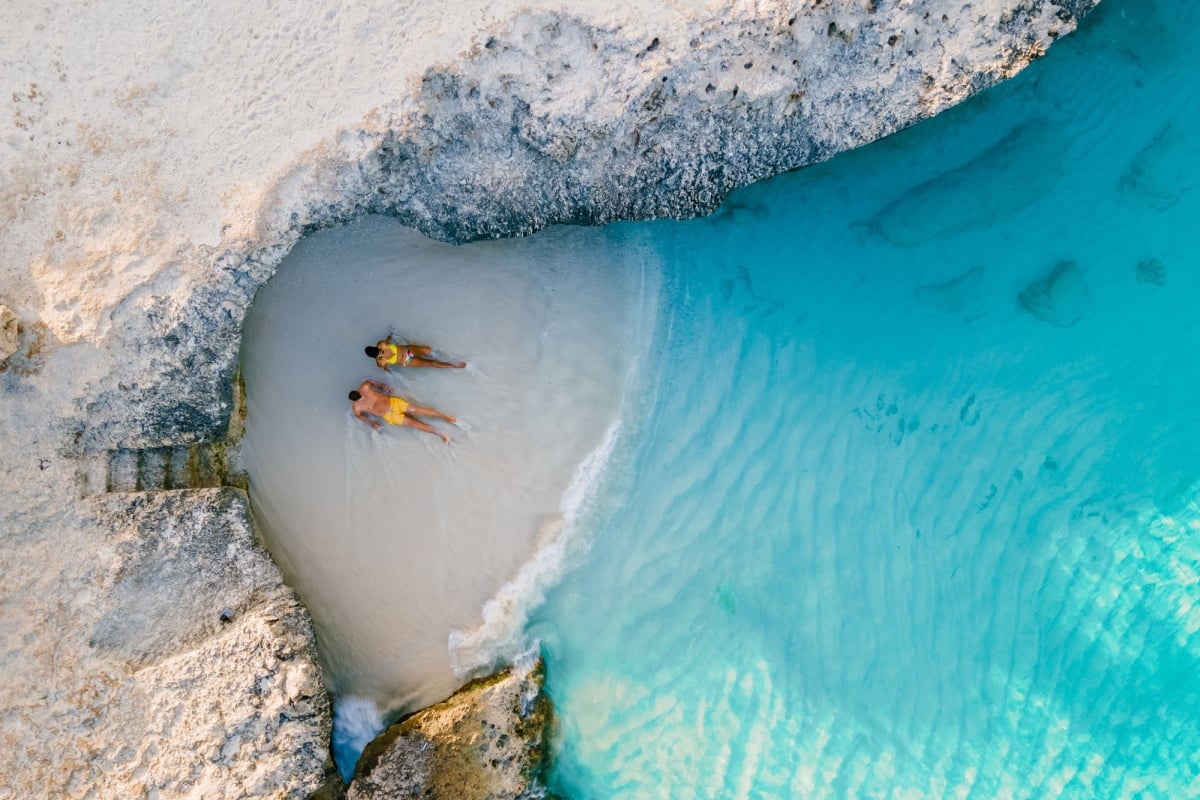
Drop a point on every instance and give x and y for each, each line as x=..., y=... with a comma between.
x=394, y=351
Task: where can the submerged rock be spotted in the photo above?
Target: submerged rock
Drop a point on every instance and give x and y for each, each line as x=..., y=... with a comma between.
x=1013, y=173
x=1152, y=271
x=1155, y=176
x=487, y=741
x=1059, y=298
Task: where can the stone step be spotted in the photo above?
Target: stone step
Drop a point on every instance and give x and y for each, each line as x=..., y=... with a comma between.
x=206, y=465
x=197, y=466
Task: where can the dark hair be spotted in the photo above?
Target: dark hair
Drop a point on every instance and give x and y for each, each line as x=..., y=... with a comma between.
x=354, y=395
x=371, y=350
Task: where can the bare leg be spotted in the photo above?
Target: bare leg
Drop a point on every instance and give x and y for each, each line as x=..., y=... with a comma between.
x=421, y=361
x=421, y=411
x=412, y=422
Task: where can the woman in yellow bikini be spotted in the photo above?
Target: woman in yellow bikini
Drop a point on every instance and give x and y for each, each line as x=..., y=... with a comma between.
x=388, y=354
x=375, y=399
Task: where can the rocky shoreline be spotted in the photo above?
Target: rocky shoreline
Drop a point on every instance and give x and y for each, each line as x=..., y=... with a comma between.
x=150, y=646
x=491, y=739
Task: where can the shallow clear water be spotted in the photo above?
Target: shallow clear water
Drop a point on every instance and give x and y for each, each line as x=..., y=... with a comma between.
x=907, y=504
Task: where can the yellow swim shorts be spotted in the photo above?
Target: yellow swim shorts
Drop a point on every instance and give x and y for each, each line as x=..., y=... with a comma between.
x=395, y=414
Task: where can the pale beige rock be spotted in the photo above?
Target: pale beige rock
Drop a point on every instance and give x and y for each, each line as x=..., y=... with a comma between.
x=489, y=740
x=149, y=646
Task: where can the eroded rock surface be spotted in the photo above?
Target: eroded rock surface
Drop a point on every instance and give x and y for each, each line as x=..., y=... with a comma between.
x=164, y=659
x=9, y=333
x=487, y=741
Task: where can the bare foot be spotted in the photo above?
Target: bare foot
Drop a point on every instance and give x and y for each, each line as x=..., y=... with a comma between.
x=445, y=438
x=460, y=365
x=451, y=420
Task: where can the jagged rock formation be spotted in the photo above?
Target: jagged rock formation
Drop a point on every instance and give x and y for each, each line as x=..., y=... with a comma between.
x=143, y=204
x=489, y=740
x=165, y=659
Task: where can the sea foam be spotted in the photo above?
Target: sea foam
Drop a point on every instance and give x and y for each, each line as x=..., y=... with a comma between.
x=501, y=637
x=356, y=721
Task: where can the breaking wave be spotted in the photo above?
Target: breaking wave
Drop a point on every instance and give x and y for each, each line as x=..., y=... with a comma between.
x=501, y=636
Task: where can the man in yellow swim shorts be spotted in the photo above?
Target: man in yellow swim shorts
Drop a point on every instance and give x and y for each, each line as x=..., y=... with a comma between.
x=375, y=399
x=388, y=354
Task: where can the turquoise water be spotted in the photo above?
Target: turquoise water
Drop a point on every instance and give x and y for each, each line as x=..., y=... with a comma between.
x=908, y=503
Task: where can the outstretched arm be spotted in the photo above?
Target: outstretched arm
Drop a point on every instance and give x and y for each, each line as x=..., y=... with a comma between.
x=364, y=418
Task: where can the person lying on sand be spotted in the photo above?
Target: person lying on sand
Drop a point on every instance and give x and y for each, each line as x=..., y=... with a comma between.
x=389, y=354
x=376, y=399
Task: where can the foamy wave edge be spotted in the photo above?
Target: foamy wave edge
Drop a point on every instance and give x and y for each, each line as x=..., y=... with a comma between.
x=501, y=636
x=356, y=722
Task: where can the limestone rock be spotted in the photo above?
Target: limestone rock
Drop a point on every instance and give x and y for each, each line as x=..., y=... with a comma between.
x=487, y=741
x=187, y=670
x=1060, y=298
x=9, y=333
